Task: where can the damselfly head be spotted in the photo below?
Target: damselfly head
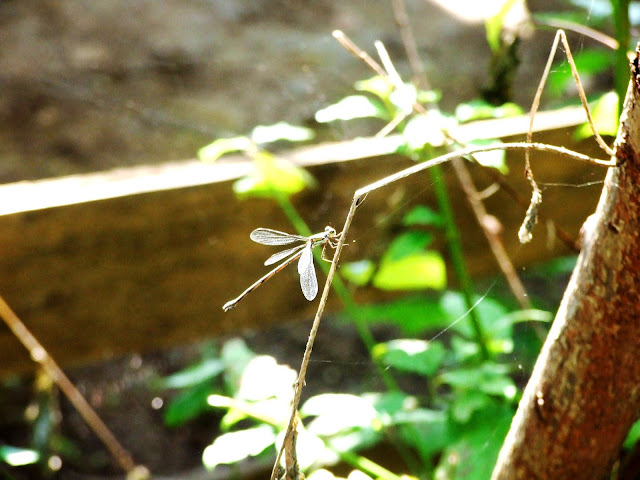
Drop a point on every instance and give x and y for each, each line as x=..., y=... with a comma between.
x=329, y=232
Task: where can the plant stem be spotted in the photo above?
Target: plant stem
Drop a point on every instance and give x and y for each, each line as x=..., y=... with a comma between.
x=622, y=29
x=457, y=257
x=341, y=290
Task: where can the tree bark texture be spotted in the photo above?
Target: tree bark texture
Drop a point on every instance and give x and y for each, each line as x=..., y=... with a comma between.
x=584, y=393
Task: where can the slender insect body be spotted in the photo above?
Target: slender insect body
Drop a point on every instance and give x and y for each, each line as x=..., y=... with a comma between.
x=303, y=253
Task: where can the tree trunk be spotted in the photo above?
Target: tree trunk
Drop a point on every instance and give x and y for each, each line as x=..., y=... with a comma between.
x=584, y=393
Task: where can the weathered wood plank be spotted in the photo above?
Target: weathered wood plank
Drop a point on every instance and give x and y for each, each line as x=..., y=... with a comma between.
x=151, y=263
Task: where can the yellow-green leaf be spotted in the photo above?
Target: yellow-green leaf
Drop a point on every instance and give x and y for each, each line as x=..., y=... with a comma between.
x=413, y=272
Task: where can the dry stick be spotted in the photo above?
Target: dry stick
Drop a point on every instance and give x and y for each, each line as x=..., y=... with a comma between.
x=492, y=236
x=475, y=200
x=41, y=356
x=358, y=196
x=531, y=216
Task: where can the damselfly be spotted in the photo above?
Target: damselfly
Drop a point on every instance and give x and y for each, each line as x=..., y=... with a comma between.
x=308, y=280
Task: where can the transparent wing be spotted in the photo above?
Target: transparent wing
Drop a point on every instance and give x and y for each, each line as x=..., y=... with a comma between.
x=266, y=236
x=308, y=280
x=276, y=257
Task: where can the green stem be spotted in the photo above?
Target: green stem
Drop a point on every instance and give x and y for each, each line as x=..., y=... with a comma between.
x=622, y=29
x=457, y=257
x=367, y=466
x=341, y=290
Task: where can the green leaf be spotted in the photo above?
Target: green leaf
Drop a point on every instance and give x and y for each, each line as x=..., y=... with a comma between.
x=203, y=371
x=17, y=457
x=493, y=25
x=236, y=356
x=223, y=146
x=413, y=272
x=489, y=311
x=265, y=378
x=280, y=131
x=272, y=177
x=416, y=356
x=604, y=113
x=422, y=215
x=409, y=243
x=414, y=315
x=490, y=378
x=187, y=405
x=633, y=436
x=376, y=85
x=338, y=412
x=354, y=106
x=233, y=447
x=474, y=450
x=494, y=158
x=427, y=129
x=588, y=62
x=359, y=273
x=481, y=109
x=465, y=403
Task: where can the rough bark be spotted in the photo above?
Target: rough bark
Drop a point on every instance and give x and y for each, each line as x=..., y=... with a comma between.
x=584, y=392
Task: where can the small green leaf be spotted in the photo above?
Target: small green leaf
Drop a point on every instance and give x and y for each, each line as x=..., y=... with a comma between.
x=413, y=272
x=494, y=158
x=375, y=85
x=280, y=131
x=233, y=447
x=359, y=273
x=203, y=371
x=416, y=356
x=222, y=146
x=490, y=378
x=187, y=405
x=604, y=113
x=414, y=315
x=17, y=457
x=489, y=310
x=588, y=62
x=481, y=109
x=466, y=402
x=271, y=177
x=427, y=129
x=633, y=436
x=409, y=243
x=493, y=25
x=422, y=215
x=354, y=106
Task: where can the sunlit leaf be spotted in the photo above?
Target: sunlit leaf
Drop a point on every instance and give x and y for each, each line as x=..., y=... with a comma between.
x=233, y=447
x=422, y=215
x=481, y=109
x=358, y=273
x=493, y=25
x=404, y=98
x=427, y=129
x=203, y=371
x=604, y=112
x=280, y=131
x=337, y=412
x=490, y=378
x=406, y=244
x=223, y=146
x=271, y=177
x=413, y=272
x=354, y=106
x=408, y=355
x=236, y=356
x=264, y=378
x=17, y=457
x=414, y=315
x=375, y=85
x=494, y=158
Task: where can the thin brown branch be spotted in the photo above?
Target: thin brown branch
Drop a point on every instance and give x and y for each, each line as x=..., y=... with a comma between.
x=40, y=355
